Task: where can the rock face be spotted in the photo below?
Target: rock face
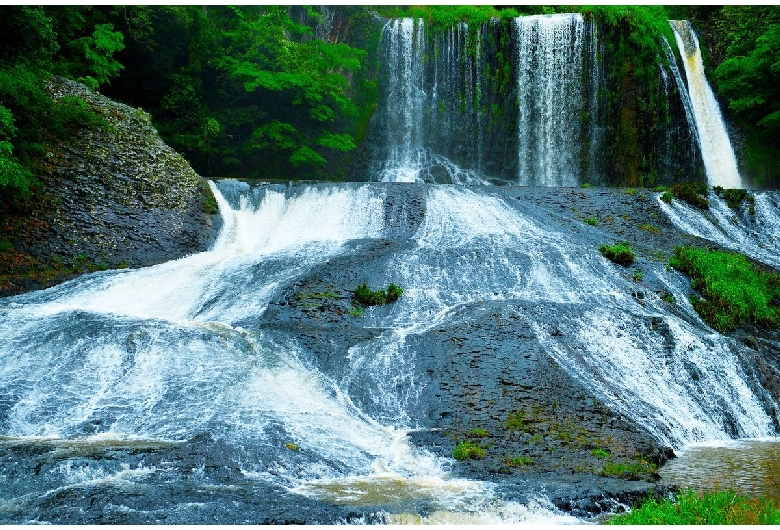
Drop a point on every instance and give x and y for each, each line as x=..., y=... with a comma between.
x=112, y=197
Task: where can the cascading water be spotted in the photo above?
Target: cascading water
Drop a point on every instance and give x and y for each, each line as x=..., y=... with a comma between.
x=717, y=153
x=551, y=98
x=404, y=44
x=154, y=387
x=448, y=109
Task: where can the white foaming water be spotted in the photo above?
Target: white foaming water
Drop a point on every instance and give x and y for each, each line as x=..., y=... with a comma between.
x=717, y=153
x=550, y=52
x=756, y=235
x=156, y=354
x=686, y=386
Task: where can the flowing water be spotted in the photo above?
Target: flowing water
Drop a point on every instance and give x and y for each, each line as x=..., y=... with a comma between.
x=717, y=153
x=552, y=94
x=124, y=386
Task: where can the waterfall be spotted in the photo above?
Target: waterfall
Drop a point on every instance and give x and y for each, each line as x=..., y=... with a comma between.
x=717, y=153
x=551, y=98
x=404, y=44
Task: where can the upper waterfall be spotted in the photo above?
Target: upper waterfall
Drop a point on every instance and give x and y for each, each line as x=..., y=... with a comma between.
x=551, y=98
x=717, y=153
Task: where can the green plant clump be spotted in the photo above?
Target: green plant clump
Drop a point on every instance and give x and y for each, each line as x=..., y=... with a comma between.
x=694, y=193
x=735, y=291
x=477, y=433
x=592, y=221
x=364, y=295
x=734, y=197
x=712, y=508
x=468, y=450
x=620, y=253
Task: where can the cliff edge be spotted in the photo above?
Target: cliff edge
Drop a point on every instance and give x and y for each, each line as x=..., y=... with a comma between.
x=111, y=197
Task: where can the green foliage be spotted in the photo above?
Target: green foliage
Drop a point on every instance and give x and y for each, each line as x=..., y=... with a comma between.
x=711, y=508
x=735, y=292
x=600, y=453
x=637, y=276
x=635, y=470
x=748, y=78
x=477, y=432
x=694, y=193
x=619, y=253
x=668, y=298
x=647, y=227
x=364, y=295
x=468, y=450
x=517, y=461
x=734, y=197
x=356, y=312
x=592, y=221
x=517, y=421
x=444, y=16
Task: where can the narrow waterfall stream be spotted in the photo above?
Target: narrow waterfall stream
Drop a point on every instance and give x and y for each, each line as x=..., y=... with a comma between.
x=717, y=153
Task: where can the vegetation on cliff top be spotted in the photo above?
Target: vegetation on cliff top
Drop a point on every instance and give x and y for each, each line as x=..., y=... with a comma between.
x=734, y=290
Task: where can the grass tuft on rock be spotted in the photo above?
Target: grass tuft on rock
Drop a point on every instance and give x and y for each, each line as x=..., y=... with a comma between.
x=364, y=295
x=694, y=193
x=734, y=290
x=468, y=450
x=711, y=508
x=620, y=253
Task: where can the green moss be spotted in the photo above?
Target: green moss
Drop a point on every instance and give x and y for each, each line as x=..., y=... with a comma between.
x=364, y=295
x=711, y=508
x=734, y=197
x=634, y=470
x=694, y=193
x=477, y=433
x=620, y=253
x=734, y=290
x=468, y=450
x=517, y=461
x=210, y=206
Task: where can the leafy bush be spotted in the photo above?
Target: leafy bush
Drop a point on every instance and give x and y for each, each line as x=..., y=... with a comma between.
x=364, y=295
x=592, y=221
x=468, y=450
x=735, y=291
x=733, y=197
x=694, y=193
x=620, y=253
x=691, y=508
x=667, y=196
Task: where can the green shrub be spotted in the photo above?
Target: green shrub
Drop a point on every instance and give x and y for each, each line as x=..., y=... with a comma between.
x=733, y=197
x=667, y=196
x=668, y=298
x=364, y=295
x=468, y=450
x=735, y=291
x=592, y=221
x=694, y=193
x=620, y=253
x=712, y=508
